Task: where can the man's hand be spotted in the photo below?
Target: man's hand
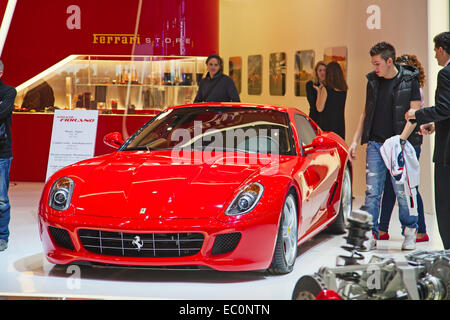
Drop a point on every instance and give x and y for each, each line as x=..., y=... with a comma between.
x=352, y=152
x=427, y=128
x=410, y=114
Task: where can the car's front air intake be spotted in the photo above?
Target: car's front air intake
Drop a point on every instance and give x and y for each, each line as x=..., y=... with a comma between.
x=141, y=244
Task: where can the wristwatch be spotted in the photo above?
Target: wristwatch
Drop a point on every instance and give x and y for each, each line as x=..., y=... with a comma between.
x=402, y=142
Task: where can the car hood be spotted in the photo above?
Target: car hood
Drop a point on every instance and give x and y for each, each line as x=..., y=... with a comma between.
x=142, y=185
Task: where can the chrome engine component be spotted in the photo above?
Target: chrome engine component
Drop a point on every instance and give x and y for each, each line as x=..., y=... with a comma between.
x=422, y=275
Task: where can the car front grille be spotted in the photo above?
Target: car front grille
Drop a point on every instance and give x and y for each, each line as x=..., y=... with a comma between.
x=141, y=244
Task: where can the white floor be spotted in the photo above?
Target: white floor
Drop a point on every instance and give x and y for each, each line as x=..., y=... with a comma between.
x=25, y=273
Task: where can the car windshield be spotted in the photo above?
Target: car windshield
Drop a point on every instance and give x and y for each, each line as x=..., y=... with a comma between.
x=236, y=129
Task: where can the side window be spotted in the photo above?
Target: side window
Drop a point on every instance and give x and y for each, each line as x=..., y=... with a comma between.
x=305, y=131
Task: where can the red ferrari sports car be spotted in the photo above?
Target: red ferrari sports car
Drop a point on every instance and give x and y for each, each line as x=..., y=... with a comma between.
x=230, y=186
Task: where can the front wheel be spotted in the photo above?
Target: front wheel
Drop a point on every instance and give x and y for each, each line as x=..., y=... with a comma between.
x=286, y=245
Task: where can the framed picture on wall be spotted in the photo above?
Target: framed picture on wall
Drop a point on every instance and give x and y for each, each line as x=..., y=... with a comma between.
x=235, y=70
x=304, y=69
x=254, y=74
x=337, y=54
x=277, y=74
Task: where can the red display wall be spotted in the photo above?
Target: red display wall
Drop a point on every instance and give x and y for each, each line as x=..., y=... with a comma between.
x=46, y=31
x=3, y=4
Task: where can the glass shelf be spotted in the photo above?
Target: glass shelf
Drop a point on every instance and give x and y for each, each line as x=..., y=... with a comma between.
x=113, y=84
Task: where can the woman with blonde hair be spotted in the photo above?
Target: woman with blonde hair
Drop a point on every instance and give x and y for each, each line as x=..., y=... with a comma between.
x=318, y=78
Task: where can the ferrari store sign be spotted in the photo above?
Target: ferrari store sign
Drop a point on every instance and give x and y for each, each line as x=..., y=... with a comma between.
x=73, y=138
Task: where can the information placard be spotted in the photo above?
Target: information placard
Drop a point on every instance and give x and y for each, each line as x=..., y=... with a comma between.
x=73, y=138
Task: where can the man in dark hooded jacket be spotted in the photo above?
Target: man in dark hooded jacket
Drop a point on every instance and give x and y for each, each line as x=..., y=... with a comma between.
x=216, y=86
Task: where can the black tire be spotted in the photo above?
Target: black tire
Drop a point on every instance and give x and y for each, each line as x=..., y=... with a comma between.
x=339, y=225
x=282, y=261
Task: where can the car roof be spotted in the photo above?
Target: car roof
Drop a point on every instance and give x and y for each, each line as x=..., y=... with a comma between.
x=236, y=104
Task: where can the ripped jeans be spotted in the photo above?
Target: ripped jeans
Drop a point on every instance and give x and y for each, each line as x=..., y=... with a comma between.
x=375, y=179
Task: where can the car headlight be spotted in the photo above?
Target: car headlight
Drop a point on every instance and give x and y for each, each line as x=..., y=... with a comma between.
x=246, y=200
x=61, y=194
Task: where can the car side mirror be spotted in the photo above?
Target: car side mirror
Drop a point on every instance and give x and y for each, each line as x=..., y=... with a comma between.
x=113, y=139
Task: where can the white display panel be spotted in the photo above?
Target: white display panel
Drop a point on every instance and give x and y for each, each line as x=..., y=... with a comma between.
x=73, y=138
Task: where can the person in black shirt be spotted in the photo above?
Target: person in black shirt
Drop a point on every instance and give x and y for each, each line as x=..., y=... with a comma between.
x=388, y=201
x=311, y=93
x=216, y=86
x=391, y=91
x=7, y=97
x=382, y=127
x=440, y=115
x=331, y=100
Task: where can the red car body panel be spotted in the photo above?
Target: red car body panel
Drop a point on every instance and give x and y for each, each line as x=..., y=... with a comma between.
x=150, y=192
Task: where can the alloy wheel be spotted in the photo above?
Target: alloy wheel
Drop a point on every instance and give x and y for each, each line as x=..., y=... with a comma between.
x=289, y=231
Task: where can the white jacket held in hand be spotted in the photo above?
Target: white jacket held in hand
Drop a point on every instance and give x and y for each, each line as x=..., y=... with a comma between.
x=403, y=165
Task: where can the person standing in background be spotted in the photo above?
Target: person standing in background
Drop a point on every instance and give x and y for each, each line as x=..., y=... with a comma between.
x=331, y=99
x=216, y=86
x=311, y=93
x=391, y=90
x=440, y=115
x=7, y=97
x=387, y=204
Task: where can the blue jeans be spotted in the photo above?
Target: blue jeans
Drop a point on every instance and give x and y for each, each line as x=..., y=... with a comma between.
x=5, y=208
x=375, y=179
x=388, y=202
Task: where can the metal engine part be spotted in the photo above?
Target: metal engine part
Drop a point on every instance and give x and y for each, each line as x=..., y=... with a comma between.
x=422, y=275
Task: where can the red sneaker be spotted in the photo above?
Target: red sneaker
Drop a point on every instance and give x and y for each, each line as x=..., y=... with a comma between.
x=384, y=236
x=423, y=238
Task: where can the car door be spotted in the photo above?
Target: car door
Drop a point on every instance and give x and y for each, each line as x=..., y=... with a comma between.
x=316, y=174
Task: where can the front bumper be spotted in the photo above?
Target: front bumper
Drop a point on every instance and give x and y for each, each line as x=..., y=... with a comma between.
x=254, y=251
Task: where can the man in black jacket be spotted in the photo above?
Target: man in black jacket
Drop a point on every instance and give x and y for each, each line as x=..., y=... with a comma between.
x=391, y=91
x=440, y=115
x=7, y=97
x=216, y=86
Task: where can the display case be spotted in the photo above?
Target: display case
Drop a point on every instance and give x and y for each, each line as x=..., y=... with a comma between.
x=113, y=84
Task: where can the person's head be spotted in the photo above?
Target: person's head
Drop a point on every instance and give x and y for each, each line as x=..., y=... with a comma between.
x=319, y=72
x=442, y=47
x=1, y=68
x=411, y=59
x=335, y=77
x=383, y=56
x=214, y=64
